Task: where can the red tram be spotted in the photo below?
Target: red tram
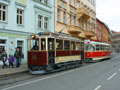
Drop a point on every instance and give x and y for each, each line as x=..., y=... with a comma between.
x=49, y=52
x=96, y=51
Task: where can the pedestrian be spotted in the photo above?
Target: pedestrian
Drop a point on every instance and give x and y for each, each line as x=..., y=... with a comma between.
x=4, y=59
x=17, y=57
x=20, y=53
x=11, y=61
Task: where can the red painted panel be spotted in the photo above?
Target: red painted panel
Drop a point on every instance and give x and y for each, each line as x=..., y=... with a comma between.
x=37, y=58
x=97, y=54
x=62, y=53
x=75, y=52
x=67, y=53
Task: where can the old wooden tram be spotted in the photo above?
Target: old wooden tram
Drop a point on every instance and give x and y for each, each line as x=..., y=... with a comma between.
x=49, y=52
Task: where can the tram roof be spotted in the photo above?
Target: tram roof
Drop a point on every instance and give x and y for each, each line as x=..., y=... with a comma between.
x=93, y=42
x=57, y=35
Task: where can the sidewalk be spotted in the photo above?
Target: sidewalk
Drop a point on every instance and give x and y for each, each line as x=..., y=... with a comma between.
x=11, y=71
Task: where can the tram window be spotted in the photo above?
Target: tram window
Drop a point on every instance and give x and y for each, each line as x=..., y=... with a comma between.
x=108, y=47
x=105, y=47
x=90, y=48
x=59, y=44
x=72, y=45
x=50, y=44
x=78, y=46
x=82, y=46
x=43, y=44
x=97, y=47
x=66, y=45
x=87, y=47
x=100, y=47
x=35, y=44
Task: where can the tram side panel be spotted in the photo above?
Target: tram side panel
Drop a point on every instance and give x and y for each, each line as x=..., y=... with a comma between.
x=97, y=55
x=67, y=56
x=37, y=58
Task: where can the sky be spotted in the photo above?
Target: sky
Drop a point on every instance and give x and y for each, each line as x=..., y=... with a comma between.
x=108, y=11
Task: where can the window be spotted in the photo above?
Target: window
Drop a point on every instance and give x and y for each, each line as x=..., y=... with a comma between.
x=78, y=46
x=43, y=44
x=74, y=20
x=97, y=47
x=64, y=17
x=72, y=47
x=66, y=45
x=50, y=44
x=70, y=19
x=79, y=22
x=40, y=0
x=46, y=2
x=58, y=15
x=90, y=47
x=46, y=23
x=86, y=26
x=100, y=47
x=74, y=3
x=70, y=2
x=82, y=46
x=82, y=24
x=3, y=12
x=19, y=17
x=59, y=44
x=39, y=21
x=35, y=44
x=79, y=4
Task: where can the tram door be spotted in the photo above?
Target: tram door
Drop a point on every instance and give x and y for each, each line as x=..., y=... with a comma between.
x=83, y=52
x=51, y=52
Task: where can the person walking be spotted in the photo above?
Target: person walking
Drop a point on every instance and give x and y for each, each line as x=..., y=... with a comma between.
x=11, y=61
x=17, y=57
x=4, y=59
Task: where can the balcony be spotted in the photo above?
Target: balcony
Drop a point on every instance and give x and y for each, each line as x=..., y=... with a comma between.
x=89, y=34
x=74, y=29
x=83, y=12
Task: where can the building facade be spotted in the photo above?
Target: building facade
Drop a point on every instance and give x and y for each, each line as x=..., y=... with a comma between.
x=76, y=17
x=102, y=32
x=21, y=18
x=115, y=42
x=98, y=31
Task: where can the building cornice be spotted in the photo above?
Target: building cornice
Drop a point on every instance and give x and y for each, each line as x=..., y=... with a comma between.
x=20, y=4
x=42, y=3
x=41, y=8
x=14, y=31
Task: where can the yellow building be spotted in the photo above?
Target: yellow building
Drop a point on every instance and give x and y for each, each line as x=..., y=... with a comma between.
x=76, y=17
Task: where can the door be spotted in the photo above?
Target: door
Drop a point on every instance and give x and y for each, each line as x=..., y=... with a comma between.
x=51, y=52
x=20, y=45
x=2, y=45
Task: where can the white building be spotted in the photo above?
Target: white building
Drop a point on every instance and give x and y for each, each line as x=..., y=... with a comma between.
x=20, y=18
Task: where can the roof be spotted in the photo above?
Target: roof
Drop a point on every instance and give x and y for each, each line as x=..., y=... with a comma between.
x=104, y=25
x=93, y=42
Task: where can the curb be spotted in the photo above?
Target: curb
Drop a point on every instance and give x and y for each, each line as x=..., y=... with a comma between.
x=14, y=73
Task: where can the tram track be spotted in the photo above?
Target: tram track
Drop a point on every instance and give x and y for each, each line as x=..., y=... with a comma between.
x=16, y=78
x=26, y=76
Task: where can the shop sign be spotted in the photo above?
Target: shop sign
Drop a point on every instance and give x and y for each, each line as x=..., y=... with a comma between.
x=12, y=35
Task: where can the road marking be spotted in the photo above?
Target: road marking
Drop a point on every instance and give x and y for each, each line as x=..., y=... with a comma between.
x=98, y=87
x=48, y=77
x=112, y=76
